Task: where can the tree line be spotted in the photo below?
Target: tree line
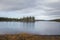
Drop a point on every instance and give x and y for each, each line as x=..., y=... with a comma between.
x=24, y=19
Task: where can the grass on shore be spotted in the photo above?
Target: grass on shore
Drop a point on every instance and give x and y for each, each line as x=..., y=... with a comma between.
x=25, y=36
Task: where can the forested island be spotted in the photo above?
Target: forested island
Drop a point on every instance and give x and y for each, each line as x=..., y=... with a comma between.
x=24, y=19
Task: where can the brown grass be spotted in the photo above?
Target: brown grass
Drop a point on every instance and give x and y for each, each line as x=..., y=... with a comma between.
x=25, y=36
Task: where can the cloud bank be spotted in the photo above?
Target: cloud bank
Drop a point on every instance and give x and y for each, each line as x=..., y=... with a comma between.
x=31, y=7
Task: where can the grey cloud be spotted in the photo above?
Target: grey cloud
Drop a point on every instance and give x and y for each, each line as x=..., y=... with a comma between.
x=33, y=7
x=54, y=5
x=55, y=13
x=17, y=4
x=54, y=8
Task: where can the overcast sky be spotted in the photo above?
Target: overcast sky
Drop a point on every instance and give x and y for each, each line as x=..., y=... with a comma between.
x=41, y=9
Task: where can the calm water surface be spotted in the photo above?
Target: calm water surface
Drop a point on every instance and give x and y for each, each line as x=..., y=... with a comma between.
x=39, y=27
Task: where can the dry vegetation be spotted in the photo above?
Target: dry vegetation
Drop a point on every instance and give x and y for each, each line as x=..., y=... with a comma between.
x=25, y=36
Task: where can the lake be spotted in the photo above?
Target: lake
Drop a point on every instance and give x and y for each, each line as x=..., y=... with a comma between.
x=38, y=27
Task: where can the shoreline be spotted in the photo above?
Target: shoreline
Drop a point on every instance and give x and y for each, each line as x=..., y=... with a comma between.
x=24, y=19
x=26, y=36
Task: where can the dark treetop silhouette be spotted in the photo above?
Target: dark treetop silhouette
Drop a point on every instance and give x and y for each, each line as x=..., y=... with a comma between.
x=24, y=19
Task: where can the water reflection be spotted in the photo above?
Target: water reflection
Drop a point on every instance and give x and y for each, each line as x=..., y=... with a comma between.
x=39, y=27
x=27, y=27
x=48, y=28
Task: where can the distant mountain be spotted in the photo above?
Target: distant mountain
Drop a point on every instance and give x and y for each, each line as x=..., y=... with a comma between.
x=55, y=20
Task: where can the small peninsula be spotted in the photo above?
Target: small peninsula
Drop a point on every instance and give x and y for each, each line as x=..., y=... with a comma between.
x=24, y=19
